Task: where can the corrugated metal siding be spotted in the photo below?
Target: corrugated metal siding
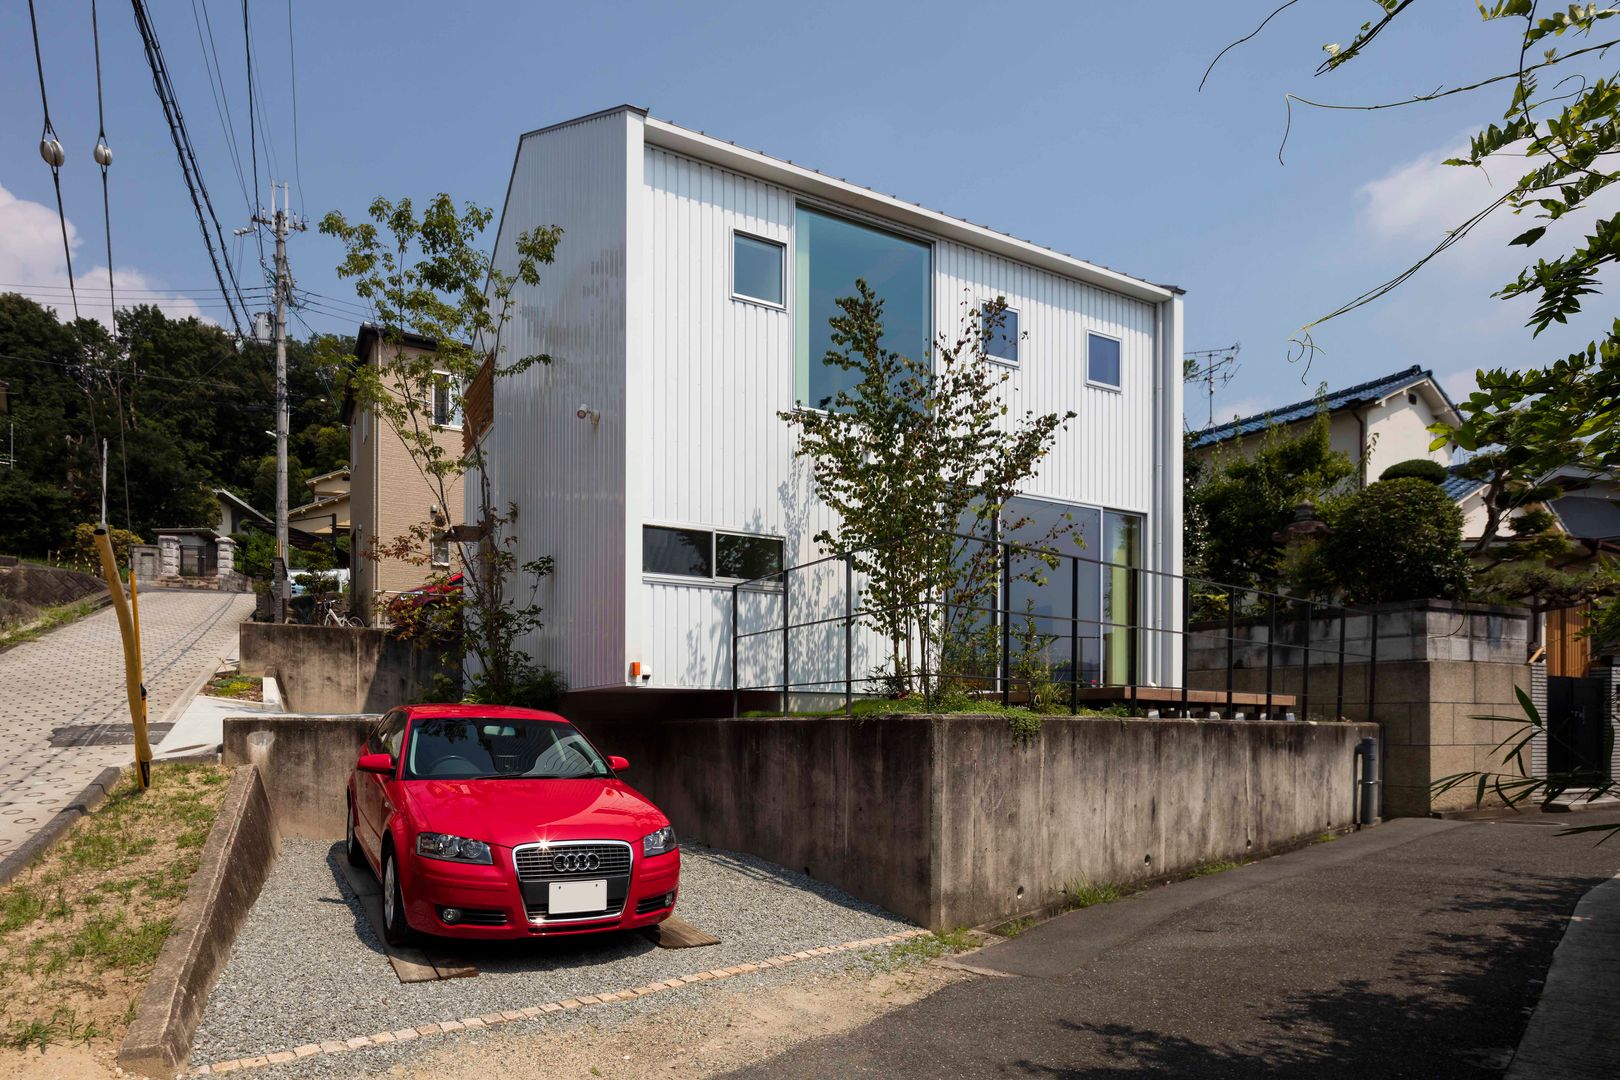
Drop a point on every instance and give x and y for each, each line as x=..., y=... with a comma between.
x=566, y=474
x=715, y=453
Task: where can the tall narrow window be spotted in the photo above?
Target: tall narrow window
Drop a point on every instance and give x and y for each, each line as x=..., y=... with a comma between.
x=1002, y=332
x=1102, y=360
x=830, y=254
x=445, y=409
x=756, y=269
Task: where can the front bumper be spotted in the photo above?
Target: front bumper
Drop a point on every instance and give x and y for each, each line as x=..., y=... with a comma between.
x=494, y=906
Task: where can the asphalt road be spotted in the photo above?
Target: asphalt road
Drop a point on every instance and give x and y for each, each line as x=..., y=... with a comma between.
x=1416, y=949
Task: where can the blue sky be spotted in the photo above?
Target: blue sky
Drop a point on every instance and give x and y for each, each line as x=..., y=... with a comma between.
x=1077, y=125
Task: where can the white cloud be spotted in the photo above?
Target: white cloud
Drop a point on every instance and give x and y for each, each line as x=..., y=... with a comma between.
x=31, y=263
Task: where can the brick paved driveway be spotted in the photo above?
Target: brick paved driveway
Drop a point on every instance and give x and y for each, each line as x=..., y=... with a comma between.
x=70, y=683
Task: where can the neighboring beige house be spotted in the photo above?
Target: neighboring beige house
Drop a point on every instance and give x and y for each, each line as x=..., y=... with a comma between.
x=328, y=509
x=388, y=493
x=1375, y=423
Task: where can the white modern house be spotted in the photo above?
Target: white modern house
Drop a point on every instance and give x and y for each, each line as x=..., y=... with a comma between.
x=688, y=307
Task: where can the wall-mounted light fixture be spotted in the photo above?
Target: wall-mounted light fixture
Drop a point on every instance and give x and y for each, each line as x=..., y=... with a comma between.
x=585, y=412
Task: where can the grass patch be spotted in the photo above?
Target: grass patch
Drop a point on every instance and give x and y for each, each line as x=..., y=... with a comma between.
x=1014, y=927
x=232, y=685
x=1024, y=722
x=921, y=949
x=1084, y=894
x=81, y=928
x=1219, y=867
x=48, y=619
x=1325, y=838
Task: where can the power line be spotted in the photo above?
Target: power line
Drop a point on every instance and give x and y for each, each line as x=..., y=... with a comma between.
x=292, y=67
x=188, y=160
x=41, y=286
x=221, y=96
x=50, y=148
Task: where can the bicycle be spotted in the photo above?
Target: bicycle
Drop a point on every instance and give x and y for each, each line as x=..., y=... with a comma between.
x=331, y=617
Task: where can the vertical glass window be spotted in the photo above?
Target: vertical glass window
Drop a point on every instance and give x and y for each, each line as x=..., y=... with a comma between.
x=687, y=552
x=1122, y=555
x=830, y=253
x=1003, y=343
x=1102, y=360
x=746, y=557
x=756, y=269
x=444, y=408
x=1041, y=603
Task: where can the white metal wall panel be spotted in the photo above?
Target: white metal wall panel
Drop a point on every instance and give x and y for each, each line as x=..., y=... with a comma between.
x=565, y=474
x=713, y=451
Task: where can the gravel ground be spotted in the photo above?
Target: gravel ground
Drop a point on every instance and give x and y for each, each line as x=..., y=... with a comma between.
x=306, y=966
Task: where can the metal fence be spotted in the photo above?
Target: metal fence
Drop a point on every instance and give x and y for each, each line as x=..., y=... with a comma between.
x=1069, y=633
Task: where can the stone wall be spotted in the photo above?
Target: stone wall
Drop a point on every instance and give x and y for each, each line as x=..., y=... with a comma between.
x=1440, y=667
x=341, y=669
x=25, y=588
x=952, y=821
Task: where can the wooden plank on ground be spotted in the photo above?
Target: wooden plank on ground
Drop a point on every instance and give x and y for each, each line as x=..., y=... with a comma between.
x=676, y=933
x=412, y=964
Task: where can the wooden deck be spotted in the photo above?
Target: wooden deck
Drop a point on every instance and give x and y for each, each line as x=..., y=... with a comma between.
x=1169, y=697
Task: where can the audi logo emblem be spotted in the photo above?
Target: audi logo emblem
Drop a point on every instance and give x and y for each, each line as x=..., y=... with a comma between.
x=572, y=862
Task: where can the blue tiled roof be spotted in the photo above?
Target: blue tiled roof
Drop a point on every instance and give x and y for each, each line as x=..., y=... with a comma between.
x=1361, y=394
x=1458, y=488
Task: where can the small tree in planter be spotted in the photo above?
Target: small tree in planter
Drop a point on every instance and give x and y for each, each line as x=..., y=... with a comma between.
x=424, y=276
x=918, y=449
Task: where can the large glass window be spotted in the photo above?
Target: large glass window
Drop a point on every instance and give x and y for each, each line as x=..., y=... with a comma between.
x=702, y=553
x=830, y=254
x=1041, y=602
x=1122, y=554
x=1102, y=360
x=756, y=269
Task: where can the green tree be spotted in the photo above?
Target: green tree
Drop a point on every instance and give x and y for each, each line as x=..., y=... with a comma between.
x=918, y=449
x=424, y=275
x=1397, y=540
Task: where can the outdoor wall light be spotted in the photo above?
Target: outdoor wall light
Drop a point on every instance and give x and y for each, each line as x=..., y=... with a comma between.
x=585, y=412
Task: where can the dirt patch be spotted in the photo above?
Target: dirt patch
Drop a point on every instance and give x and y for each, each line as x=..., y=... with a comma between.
x=239, y=687
x=81, y=928
x=723, y=1032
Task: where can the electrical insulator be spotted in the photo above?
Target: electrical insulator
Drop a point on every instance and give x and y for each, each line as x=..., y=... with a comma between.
x=51, y=150
x=103, y=154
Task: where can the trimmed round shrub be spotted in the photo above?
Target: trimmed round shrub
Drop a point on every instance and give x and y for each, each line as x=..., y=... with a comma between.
x=1397, y=540
x=1420, y=468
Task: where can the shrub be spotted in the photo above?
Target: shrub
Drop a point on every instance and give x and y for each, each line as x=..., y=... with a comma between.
x=1418, y=468
x=1397, y=540
x=84, y=550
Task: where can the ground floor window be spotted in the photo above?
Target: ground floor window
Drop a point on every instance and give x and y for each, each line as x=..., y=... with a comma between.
x=707, y=553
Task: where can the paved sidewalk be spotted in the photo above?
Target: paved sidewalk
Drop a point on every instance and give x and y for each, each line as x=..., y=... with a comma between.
x=1574, y=1033
x=68, y=688
x=1416, y=949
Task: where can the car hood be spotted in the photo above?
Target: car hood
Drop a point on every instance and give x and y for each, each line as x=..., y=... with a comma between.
x=512, y=812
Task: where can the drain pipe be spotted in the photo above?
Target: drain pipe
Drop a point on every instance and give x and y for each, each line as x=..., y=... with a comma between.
x=1367, y=752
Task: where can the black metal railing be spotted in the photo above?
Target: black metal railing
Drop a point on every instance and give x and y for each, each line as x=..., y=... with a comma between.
x=1022, y=663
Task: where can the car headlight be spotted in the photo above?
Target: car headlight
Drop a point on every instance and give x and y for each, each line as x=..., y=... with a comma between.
x=433, y=845
x=659, y=843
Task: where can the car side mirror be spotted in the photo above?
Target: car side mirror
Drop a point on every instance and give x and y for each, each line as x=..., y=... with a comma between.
x=377, y=763
x=617, y=763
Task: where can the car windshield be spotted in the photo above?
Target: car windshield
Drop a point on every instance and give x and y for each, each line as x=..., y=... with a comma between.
x=474, y=748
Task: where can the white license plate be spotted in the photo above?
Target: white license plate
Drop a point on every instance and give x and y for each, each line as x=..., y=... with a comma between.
x=572, y=897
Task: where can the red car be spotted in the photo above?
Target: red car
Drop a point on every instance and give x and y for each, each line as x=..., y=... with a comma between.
x=489, y=822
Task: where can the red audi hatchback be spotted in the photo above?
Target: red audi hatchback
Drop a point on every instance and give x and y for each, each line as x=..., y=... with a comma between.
x=489, y=822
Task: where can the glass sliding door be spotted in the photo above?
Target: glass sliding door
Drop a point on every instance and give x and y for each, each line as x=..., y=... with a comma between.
x=1041, y=602
x=830, y=254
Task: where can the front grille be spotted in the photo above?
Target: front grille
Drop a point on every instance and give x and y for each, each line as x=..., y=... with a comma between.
x=652, y=903
x=591, y=860
x=537, y=913
x=483, y=917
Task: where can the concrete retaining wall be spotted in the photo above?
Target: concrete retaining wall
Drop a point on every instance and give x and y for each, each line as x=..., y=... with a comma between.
x=951, y=821
x=304, y=762
x=341, y=669
x=236, y=859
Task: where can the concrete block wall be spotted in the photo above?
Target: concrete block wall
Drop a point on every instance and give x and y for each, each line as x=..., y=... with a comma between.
x=341, y=669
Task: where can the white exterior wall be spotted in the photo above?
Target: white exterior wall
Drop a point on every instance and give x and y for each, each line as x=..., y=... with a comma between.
x=567, y=475
x=1403, y=433
x=716, y=454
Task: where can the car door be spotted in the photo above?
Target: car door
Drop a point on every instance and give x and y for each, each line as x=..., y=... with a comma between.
x=369, y=792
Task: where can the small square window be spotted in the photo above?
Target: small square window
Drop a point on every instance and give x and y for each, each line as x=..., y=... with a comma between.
x=756, y=269
x=686, y=552
x=1102, y=360
x=1003, y=337
x=746, y=557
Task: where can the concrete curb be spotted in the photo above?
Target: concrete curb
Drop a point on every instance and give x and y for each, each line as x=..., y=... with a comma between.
x=1574, y=1032
x=236, y=859
x=471, y=1023
x=93, y=795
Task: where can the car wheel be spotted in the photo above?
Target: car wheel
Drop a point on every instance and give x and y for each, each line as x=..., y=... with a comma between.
x=356, y=856
x=396, y=931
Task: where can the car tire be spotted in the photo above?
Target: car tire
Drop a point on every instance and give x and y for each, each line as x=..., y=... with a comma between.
x=351, y=843
x=396, y=931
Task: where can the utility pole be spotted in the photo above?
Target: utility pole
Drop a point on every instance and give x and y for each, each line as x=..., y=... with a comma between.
x=281, y=222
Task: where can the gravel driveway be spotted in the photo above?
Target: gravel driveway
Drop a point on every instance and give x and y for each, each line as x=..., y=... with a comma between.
x=306, y=966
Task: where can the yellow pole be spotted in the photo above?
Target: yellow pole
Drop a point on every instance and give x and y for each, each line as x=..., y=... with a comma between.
x=133, y=684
